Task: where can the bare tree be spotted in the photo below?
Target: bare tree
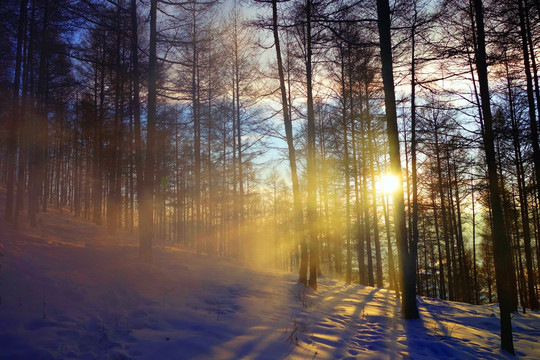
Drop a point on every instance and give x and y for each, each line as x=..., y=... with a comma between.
x=407, y=252
x=501, y=245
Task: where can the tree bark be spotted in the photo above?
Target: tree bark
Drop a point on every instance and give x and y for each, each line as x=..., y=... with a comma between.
x=346, y=165
x=146, y=232
x=311, y=160
x=407, y=261
x=13, y=124
x=413, y=243
x=371, y=150
x=297, y=197
x=536, y=152
x=501, y=246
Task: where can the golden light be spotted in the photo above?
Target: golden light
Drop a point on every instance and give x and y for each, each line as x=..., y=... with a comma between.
x=389, y=183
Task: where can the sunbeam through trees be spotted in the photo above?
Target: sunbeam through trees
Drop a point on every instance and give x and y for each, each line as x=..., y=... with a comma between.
x=389, y=144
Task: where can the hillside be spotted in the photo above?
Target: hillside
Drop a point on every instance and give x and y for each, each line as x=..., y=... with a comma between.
x=70, y=291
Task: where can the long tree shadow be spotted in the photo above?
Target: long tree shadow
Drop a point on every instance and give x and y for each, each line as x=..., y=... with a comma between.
x=436, y=337
x=349, y=333
x=259, y=339
x=318, y=330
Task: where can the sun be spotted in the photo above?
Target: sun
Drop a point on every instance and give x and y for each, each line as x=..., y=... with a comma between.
x=389, y=183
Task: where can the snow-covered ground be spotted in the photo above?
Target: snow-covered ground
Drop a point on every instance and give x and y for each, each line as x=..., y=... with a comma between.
x=70, y=291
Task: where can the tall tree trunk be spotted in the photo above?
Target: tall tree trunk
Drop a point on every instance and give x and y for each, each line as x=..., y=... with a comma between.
x=346, y=164
x=518, y=260
x=524, y=208
x=535, y=146
x=196, y=133
x=13, y=124
x=27, y=138
x=442, y=287
x=406, y=255
x=360, y=236
x=32, y=122
x=146, y=233
x=463, y=263
x=365, y=203
x=533, y=58
x=465, y=275
x=41, y=126
x=241, y=205
x=413, y=243
x=360, y=248
x=444, y=216
x=136, y=103
x=475, y=275
x=98, y=139
x=507, y=216
x=297, y=197
x=311, y=160
x=501, y=246
x=394, y=283
x=453, y=230
x=113, y=197
x=371, y=150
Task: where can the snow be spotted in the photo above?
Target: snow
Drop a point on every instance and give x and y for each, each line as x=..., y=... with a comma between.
x=70, y=291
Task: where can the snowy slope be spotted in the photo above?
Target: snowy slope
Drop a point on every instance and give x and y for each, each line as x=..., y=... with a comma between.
x=70, y=291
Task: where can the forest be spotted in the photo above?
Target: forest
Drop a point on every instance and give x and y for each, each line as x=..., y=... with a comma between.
x=392, y=144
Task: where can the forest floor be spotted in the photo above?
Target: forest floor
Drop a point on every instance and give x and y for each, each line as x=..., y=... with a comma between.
x=71, y=291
